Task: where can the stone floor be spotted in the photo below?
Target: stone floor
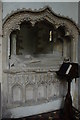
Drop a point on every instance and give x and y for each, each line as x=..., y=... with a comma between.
x=54, y=115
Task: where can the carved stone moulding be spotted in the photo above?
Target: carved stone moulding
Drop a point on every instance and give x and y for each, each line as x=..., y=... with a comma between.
x=14, y=20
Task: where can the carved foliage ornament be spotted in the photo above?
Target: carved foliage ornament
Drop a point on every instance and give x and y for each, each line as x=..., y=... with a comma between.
x=13, y=21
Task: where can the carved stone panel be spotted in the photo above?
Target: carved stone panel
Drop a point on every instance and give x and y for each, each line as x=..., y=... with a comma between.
x=33, y=87
x=16, y=93
x=41, y=92
x=29, y=93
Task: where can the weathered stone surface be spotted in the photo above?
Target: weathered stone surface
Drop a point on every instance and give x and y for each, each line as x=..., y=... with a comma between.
x=0, y=59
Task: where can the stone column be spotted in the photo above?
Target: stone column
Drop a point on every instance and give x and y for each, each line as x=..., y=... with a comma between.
x=0, y=52
x=64, y=48
x=74, y=86
x=75, y=50
x=13, y=43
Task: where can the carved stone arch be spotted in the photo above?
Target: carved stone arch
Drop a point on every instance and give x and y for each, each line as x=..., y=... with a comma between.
x=35, y=16
x=17, y=83
x=13, y=21
x=13, y=29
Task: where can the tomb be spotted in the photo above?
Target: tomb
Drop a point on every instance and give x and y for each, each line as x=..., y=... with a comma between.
x=36, y=44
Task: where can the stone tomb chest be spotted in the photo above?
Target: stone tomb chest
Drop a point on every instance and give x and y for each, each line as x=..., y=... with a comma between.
x=36, y=44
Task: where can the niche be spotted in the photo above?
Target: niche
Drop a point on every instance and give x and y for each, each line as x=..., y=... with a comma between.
x=42, y=38
x=32, y=40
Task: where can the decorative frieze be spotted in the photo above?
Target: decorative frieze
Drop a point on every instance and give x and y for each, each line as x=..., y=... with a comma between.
x=36, y=86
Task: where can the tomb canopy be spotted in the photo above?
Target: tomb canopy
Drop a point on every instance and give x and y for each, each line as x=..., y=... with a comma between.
x=53, y=34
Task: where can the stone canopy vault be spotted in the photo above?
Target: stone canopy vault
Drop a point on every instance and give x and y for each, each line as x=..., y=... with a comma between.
x=35, y=43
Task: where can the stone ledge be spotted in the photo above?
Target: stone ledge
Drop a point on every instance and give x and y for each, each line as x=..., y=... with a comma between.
x=35, y=70
x=34, y=110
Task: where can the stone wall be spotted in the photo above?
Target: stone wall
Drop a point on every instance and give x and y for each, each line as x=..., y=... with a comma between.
x=0, y=103
x=1, y=42
x=0, y=54
x=79, y=56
